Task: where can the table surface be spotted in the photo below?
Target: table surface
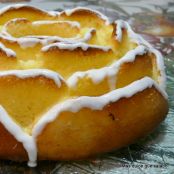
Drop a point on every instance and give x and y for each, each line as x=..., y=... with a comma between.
x=154, y=19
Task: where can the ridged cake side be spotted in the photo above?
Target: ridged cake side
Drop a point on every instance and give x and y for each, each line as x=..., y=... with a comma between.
x=75, y=82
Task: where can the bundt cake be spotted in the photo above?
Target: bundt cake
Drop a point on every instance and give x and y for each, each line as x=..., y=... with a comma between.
x=74, y=84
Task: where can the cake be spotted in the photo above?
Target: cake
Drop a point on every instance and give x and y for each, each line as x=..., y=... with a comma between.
x=74, y=84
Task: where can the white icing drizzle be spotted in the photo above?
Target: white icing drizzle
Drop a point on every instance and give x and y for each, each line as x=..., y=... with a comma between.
x=54, y=13
x=86, y=37
x=139, y=40
x=133, y=36
x=97, y=75
x=34, y=73
x=24, y=42
x=72, y=105
x=94, y=103
x=69, y=12
x=4, y=27
x=18, y=6
x=31, y=41
x=8, y=52
x=9, y=7
x=72, y=46
x=28, y=141
x=27, y=42
x=161, y=67
x=36, y=23
x=45, y=40
x=71, y=23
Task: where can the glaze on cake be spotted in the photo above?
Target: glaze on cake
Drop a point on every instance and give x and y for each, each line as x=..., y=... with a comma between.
x=87, y=69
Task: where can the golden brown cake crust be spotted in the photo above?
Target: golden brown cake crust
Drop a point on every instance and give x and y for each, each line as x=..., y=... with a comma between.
x=88, y=132
x=92, y=87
